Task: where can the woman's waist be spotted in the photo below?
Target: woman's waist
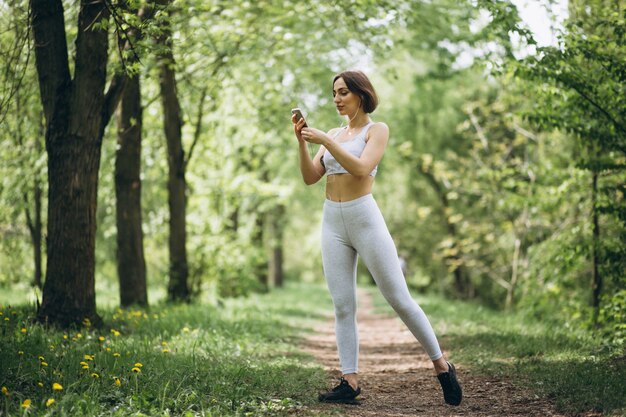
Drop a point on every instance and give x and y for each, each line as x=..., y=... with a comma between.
x=346, y=187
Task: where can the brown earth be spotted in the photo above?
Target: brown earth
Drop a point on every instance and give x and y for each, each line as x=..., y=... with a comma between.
x=397, y=377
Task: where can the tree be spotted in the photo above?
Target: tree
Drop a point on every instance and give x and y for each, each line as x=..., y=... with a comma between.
x=21, y=117
x=578, y=89
x=77, y=111
x=178, y=287
x=131, y=264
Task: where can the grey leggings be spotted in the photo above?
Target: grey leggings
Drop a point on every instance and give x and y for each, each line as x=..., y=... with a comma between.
x=357, y=227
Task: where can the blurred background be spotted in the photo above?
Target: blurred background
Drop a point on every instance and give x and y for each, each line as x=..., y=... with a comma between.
x=503, y=181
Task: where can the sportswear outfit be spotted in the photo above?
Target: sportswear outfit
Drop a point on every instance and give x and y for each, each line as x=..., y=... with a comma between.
x=354, y=228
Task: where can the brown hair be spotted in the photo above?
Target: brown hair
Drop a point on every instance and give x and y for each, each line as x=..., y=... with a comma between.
x=358, y=83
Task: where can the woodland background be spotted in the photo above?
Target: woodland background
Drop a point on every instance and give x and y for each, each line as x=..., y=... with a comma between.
x=146, y=148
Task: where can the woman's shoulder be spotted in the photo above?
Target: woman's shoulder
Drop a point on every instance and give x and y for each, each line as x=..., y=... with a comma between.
x=378, y=128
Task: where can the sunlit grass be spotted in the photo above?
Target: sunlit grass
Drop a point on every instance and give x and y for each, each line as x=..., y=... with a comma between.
x=236, y=358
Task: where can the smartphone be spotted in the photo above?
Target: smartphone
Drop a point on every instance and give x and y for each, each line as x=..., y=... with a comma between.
x=298, y=114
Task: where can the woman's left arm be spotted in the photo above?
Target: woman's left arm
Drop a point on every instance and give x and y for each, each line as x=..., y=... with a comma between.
x=378, y=136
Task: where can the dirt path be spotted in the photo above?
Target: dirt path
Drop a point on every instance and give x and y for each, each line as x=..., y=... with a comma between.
x=397, y=378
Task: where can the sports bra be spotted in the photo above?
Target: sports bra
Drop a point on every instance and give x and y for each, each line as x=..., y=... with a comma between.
x=354, y=146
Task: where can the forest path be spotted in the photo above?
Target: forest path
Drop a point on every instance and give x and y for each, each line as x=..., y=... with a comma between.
x=397, y=378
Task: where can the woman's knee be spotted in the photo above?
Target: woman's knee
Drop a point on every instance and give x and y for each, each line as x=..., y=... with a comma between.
x=345, y=310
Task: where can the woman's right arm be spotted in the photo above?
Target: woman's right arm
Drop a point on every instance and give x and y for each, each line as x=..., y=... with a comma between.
x=311, y=169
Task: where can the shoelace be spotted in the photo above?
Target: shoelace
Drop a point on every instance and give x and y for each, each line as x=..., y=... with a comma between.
x=341, y=385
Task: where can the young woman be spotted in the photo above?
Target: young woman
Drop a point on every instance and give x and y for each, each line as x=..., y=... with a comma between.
x=353, y=225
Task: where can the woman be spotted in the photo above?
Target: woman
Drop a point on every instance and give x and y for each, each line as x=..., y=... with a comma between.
x=353, y=225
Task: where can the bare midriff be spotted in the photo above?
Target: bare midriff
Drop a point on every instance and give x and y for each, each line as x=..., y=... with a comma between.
x=346, y=187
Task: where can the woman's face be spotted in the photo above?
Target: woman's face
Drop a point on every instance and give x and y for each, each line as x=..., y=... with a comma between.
x=346, y=101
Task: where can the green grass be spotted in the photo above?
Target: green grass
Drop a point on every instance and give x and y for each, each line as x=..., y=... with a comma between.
x=567, y=365
x=241, y=358
x=238, y=358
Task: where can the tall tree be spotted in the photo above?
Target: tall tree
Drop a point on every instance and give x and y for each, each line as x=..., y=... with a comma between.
x=178, y=287
x=131, y=264
x=77, y=111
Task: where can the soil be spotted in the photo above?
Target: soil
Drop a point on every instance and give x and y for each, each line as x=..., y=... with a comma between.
x=397, y=378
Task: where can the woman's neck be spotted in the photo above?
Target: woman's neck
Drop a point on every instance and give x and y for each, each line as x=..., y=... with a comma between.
x=359, y=120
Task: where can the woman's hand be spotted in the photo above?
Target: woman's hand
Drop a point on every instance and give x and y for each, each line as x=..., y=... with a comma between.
x=297, y=127
x=314, y=135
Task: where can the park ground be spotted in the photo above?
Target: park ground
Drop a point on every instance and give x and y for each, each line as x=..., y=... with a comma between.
x=269, y=355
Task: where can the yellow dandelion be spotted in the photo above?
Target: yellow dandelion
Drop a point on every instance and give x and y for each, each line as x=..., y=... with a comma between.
x=101, y=338
x=49, y=402
x=164, y=343
x=117, y=355
x=26, y=403
x=24, y=330
x=138, y=365
x=85, y=366
x=117, y=381
x=20, y=352
x=44, y=363
x=165, y=350
x=57, y=387
x=40, y=384
x=83, y=363
x=52, y=347
x=185, y=329
x=41, y=358
x=108, y=349
x=88, y=357
x=136, y=370
x=78, y=335
x=7, y=319
x=5, y=391
x=86, y=322
x=115, y=332
x=95, y=375
x=65, y=337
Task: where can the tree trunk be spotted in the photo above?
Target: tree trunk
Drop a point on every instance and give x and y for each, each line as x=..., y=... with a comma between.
x=131, y=265
x=77, y=112
x=258, y=238
x=510, y=291
x=178, y=288
x=596, y=284
x=276, y=236
x=35, y=229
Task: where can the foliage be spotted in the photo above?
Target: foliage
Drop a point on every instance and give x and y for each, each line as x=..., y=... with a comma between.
x=578, y=87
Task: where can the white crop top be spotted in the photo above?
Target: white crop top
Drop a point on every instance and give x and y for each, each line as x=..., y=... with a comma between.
x=354, y=146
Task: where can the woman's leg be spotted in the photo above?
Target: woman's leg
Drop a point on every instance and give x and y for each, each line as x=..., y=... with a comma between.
x=340, y=259
x=375, y=246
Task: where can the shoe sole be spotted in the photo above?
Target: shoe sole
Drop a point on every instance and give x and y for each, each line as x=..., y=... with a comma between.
x=352, y=401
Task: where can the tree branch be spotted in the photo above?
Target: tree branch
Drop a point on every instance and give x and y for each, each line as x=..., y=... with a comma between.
x=113, y=96
x=47, y=22
x=196, y=134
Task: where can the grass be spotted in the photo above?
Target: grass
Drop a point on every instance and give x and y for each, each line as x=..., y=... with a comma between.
x=569, y=366
x=239, y=358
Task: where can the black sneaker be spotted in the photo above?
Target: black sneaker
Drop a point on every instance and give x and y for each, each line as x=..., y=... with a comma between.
x=342, y=393
x=452, y=392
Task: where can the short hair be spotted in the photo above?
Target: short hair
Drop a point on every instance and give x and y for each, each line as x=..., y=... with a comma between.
x=358, y=83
